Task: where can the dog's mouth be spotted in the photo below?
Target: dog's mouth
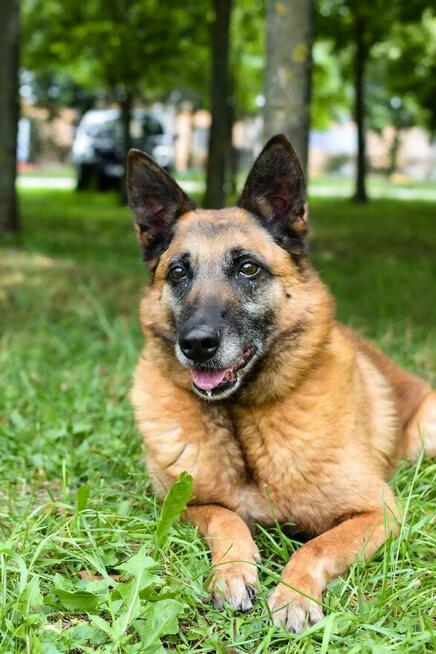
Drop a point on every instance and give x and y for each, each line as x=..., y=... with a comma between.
x=217, y=381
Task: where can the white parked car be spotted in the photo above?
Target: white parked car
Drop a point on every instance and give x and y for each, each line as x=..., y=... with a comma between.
x=98, y=145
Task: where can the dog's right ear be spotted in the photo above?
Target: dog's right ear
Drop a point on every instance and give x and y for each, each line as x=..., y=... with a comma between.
x=275, y=192
x=156, y=201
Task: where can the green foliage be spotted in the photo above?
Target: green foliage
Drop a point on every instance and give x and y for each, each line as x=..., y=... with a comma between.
x=331, y=93
x=410, y=60
x=247, y=54
x=139, y=47
x=53, y=88
x=83, y=51
x=76, y=508
x=399, y=40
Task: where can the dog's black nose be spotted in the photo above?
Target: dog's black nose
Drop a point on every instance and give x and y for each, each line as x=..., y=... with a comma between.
x=199, y=343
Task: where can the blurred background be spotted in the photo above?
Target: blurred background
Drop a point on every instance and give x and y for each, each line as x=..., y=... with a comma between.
x=201, y=85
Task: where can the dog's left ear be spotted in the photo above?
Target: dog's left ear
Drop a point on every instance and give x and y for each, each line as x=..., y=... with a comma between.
x=275, y=191
x=156, y=201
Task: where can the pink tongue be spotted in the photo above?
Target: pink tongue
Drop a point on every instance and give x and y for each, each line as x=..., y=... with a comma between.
x=207, y=379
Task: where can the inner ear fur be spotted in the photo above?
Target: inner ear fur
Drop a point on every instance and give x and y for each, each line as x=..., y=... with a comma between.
x=156, y=201
x=275, y=191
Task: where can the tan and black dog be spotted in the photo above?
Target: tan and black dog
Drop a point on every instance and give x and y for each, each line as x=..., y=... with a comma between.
x=248, y=383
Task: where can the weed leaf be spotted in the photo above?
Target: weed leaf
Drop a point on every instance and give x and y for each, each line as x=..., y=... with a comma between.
x=82, y=498
x=80, y=600
x=162, y=619
x=174, y=503
x=74, y=599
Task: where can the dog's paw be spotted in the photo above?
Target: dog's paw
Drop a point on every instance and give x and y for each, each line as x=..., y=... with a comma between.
x=235, y=584
x=292, y=610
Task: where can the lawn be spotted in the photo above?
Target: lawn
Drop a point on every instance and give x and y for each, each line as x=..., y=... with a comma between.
x=76, y=508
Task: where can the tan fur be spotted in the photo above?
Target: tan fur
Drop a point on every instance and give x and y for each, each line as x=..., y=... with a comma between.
x=312, y=440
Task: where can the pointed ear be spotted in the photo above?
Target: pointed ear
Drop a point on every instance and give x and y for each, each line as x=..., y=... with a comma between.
x=275, y=191
x=156, y=202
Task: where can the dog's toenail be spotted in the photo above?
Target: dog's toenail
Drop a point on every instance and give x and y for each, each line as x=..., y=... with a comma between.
x=251, y=591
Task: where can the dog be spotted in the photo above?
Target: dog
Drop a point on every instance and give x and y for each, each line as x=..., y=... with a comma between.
x=248, y=383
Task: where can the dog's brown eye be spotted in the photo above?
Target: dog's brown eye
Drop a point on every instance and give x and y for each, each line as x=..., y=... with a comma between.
x=249, y=268
x=177, y=273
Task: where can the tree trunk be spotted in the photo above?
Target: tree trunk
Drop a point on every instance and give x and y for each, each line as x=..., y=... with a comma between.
x=219, y=131
x=126, y=117
x=288, y=72
x=9, y=112
x=361, y=55
x=394, y=149
x=232, y=161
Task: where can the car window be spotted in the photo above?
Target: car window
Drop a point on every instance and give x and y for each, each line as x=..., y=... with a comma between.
x=112, y=129
x=151, y=126
x=93, y=130
x=108, y=130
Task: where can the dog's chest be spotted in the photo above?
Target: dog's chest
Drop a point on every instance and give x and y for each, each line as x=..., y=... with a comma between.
x=264, y=464
x=290, y=465
x=276, y=445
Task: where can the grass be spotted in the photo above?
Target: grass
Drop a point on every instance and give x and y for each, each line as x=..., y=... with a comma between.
x=76, y=507
x=49, y=170
x=378, y=184
x=375, y=182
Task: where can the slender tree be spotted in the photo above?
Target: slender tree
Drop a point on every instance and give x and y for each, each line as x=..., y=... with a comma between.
x=288, y=71
x=359, y=70
x=9, y=112
x=220, y=131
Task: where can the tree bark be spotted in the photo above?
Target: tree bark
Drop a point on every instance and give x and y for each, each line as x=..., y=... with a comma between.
x=126, y=117
x=361, y=56
x=9, y=113
x=394, y=149
x=288, y=72
x=232, y=161
x=219, y=131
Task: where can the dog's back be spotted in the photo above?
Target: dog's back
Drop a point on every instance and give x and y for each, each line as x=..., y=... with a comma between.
x=415, y=402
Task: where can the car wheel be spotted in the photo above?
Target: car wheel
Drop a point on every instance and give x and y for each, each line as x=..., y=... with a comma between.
x=104, y=182
x=84, y=177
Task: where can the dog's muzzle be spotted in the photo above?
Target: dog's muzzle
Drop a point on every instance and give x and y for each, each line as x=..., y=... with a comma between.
x=199, y=343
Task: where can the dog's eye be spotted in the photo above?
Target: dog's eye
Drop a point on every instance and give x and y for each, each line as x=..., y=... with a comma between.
x=177, y=273
x=249, y=268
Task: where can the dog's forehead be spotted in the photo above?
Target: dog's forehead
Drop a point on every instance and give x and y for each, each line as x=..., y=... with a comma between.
x=206, y=233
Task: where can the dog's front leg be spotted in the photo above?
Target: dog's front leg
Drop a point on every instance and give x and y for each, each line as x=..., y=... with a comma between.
x=297, y=598
x=234, y=555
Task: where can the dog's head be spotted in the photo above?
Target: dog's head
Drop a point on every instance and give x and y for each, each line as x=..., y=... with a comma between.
x=230, y=280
